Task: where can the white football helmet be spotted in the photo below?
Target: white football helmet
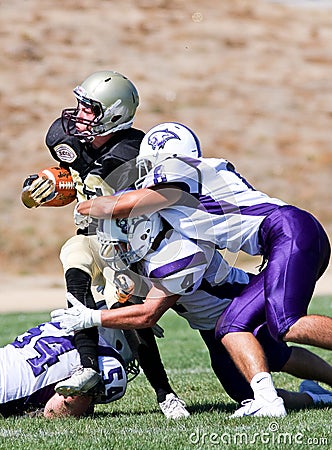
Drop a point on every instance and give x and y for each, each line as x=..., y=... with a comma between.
x=163, y=141
x=126, y=241
x=112, y=97
x=114, y=379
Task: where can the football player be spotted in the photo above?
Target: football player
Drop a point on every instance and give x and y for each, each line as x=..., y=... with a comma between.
x=97, y=143
x=199, y=285
x=38, y=359
x=207, y=199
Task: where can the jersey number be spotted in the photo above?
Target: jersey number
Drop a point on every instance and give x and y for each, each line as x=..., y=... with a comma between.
x=49, y=348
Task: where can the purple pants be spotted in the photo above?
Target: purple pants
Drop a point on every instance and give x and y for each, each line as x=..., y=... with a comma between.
x=297, y=250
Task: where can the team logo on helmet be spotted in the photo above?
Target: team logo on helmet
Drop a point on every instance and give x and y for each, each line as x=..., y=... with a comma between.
x=122, y=224
x=158, y=139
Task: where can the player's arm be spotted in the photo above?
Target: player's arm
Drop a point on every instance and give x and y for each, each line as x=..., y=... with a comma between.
x=143, y=315
x=133, y=203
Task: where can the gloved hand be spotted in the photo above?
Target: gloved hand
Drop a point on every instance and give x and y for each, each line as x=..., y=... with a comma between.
x=37, y=190
x=158, y=331
x=81, y=221
x=77, y=317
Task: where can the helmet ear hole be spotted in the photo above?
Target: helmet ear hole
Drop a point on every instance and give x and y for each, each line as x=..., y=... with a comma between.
x=116, y=118
x=118, y=345
x=97, y=110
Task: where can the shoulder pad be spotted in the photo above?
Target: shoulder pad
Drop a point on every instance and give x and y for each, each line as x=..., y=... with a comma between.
x=64, y=148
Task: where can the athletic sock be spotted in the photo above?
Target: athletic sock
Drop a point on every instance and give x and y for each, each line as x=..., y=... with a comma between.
x=161, y=394
x=263, y=387
x=86, y=341
x=86, y=344
x=151, y=364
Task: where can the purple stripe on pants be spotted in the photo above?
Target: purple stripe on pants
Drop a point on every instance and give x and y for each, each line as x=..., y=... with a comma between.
x=298, y=251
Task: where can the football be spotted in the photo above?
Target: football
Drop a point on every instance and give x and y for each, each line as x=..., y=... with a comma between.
x=64, y=185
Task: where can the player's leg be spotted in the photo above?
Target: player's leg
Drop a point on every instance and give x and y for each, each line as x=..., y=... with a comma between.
x=235, y=330
x=78, y=263
x=300, y=363
x=142, y=341
x=311, y=330
x=280, y=357
x=144, y=347
x=298, y=252
x=306, y=364
x=234, y=383
x=237, y=387
x=236, y=325
x=153, y=368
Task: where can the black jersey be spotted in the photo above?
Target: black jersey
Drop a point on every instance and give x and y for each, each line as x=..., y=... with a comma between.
x=101, y=171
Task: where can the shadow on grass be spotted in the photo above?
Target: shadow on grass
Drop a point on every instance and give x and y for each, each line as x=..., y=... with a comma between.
x=197, y=408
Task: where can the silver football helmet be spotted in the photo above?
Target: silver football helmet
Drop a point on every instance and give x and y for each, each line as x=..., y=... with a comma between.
x=126, y=241
x=163, y=141
x=113, y=99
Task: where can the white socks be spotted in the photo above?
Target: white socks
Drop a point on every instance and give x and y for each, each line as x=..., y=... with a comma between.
x=263, y=387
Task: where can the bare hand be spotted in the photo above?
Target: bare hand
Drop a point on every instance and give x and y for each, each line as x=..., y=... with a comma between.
x=129, y=204
x=98, y=207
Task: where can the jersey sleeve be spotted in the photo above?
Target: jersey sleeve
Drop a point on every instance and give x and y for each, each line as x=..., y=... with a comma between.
x=220, y=272
x=178, y=265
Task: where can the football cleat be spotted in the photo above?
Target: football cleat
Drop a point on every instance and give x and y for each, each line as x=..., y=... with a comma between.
x=83, y=381
x=316, y=392
x=313, y=387
x=261, y=408
x=173, y=407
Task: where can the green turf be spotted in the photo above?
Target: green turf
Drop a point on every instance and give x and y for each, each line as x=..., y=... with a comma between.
x=135, y=422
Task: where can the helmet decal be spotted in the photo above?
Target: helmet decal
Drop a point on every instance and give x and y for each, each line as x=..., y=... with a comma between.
x=123, y=225
x=80, y=93
x=158, y=139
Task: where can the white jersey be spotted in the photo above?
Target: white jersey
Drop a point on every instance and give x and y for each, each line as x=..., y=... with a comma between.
x=32, y=364
x=217, y=204
x=206, y=283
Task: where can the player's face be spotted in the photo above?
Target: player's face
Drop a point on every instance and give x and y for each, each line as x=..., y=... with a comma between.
x=86, y=114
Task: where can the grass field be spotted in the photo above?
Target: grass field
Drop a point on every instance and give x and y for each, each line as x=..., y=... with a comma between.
x=135, y=422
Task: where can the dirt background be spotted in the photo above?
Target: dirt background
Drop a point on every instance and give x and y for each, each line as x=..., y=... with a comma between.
x=252, y=78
